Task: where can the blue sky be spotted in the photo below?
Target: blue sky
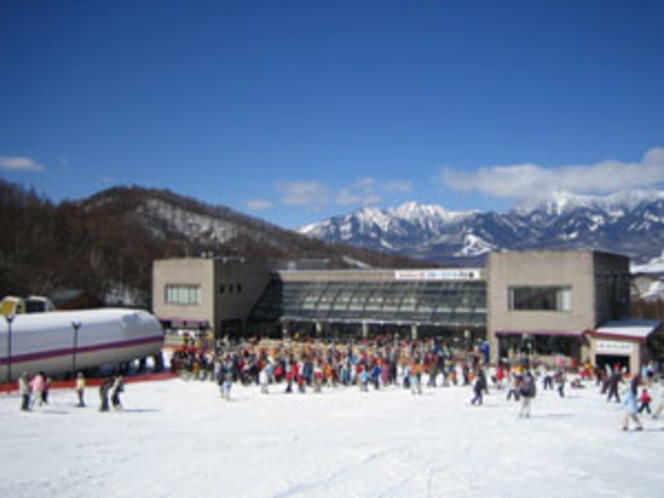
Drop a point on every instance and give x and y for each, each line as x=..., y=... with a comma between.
x=293, y=111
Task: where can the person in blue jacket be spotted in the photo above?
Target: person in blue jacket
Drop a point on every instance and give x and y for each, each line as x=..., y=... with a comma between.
x=629, y=405
x=375, y=375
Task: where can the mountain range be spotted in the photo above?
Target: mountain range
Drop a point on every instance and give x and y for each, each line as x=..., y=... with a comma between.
x=105, y=245
x=630, y=223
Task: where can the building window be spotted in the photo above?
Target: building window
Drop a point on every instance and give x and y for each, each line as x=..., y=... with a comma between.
x=540, y=298
x=183, y=294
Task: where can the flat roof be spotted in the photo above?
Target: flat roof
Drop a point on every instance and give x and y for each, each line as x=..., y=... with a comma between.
x=553, y=333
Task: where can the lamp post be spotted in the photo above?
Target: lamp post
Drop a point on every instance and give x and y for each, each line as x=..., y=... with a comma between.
x=76, y=326
x=10, y=319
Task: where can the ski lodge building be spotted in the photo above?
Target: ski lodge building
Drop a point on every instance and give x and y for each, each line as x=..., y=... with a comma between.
x=551, y=304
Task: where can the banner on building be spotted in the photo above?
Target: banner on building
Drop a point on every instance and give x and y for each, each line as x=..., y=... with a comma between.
x=614, y=347
x=446, y=274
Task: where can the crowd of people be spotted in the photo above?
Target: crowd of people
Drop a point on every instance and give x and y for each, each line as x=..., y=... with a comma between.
x=34, y=391
x=300, y=366
x=378, y=364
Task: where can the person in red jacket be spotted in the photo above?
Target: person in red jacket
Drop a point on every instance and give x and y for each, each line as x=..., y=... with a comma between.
x=644, y=401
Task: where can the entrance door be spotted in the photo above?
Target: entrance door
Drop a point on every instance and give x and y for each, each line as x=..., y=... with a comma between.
x=612, y=360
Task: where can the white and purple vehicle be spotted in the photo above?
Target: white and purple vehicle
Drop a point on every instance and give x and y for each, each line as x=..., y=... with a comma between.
x=62, y=342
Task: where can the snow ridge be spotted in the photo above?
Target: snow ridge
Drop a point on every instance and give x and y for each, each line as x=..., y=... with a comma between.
x=630, y=222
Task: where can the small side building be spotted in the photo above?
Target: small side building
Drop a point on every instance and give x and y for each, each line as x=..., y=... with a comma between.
x=209, y=297
x=551, y=304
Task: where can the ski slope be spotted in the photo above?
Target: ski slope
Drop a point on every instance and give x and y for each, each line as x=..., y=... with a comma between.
x=177, y=438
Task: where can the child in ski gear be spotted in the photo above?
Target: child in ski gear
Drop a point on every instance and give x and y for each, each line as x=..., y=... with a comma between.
x=644, y=401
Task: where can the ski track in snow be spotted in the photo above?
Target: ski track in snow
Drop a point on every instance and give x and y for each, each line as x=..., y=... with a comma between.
x=178, y=438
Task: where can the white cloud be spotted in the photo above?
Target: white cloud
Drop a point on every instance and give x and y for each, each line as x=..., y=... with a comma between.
x=361, y=192
x=402, y=187
x=259, y=204
x=522, y=180
x=20, y=163
x=307, y=194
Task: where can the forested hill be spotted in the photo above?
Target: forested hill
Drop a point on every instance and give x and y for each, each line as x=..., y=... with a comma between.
x=106, y=244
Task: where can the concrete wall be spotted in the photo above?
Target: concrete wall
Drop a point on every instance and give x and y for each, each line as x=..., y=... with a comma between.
x=229, y=288
x=557, y=269
x=599, y=286
x=183, y=271
x=239, y=286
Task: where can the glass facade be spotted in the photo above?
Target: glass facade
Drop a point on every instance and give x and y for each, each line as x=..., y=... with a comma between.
x=442, y=303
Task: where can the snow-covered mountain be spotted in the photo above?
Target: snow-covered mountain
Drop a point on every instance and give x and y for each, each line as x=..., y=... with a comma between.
x=630, y=223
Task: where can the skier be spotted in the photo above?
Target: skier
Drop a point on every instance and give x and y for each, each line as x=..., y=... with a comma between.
x=37, y=387
x=515, y=382
x=116, y=389
x=644, y=401
x=614, y=380
x=375, y=376
x=630, y=408
x=479, y=386
x=658, y=394
x=364, y=380
x=24, y=391
x=48, y=383
x=559, y=378
x=318, y=378
x=415, y=379
x=104, y=388
x=264, y=379
x=547, y=378
x=225, y=385
x=527, y=392
x=80, y=389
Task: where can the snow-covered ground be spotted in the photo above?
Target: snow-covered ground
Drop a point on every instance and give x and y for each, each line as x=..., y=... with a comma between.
x=177, y=438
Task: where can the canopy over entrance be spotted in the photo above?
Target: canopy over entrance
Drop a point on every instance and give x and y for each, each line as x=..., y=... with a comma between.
x=631, y=330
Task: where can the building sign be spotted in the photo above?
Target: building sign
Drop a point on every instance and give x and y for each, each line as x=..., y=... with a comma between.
x=614, y=347
x=447, y=274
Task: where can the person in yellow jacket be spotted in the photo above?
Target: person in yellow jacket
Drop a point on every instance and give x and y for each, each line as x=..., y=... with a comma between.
x=80, y=389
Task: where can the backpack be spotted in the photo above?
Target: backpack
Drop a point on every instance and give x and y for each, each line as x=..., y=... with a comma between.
x=528, y=387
